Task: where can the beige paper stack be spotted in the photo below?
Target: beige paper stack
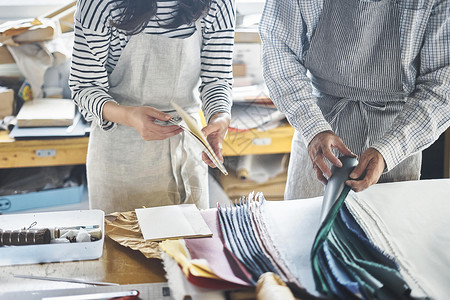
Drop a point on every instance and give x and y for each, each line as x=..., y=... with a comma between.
x=46, y=113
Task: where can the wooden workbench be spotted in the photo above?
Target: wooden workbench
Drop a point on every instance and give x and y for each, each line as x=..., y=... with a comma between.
x=118, y=264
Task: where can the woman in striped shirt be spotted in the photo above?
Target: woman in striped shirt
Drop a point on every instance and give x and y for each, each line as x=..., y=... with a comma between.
x=130, y=60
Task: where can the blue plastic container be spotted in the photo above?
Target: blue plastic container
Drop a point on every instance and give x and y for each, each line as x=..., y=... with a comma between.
x=46, y=198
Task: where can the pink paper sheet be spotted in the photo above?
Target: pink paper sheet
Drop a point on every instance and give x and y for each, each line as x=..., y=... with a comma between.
x=220, y=260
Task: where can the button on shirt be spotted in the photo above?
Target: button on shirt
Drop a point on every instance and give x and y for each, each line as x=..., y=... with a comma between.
x=286, y=30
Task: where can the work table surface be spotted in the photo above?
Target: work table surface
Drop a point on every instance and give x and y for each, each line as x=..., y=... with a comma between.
x=118, y=264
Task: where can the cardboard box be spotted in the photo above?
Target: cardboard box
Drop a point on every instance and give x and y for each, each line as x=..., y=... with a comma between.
x=32, y=254
x=5, y=56
x=6, y=102
x=63, y=17
x=239, y=70
x=46, y=198
x=247, y=35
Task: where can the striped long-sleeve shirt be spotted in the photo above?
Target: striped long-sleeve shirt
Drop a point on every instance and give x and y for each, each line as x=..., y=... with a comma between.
x=286, y=30
x=98, y=47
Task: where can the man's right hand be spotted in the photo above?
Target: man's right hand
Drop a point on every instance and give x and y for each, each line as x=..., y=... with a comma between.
x=320, y=148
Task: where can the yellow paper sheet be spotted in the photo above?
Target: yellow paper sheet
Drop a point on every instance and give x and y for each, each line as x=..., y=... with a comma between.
x=176, y=250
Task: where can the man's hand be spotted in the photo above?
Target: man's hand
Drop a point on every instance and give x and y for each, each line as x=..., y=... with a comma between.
x=215, y=133
x=320, y=148
x=371, y=166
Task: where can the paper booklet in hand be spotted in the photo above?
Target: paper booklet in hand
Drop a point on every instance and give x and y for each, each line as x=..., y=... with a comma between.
x=193, y=129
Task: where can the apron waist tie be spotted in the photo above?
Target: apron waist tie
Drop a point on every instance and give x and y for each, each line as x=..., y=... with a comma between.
x=335, y=114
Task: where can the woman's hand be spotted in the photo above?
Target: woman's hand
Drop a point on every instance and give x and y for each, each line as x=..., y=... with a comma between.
x=142, y=118
x=215, y=133
x=320, y=148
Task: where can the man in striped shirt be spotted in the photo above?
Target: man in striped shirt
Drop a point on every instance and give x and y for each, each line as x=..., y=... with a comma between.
x=370, y=75
x=130, y=60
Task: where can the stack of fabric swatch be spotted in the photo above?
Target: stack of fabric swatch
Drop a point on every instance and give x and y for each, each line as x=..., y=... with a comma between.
x=347, y=265
x=383, y=243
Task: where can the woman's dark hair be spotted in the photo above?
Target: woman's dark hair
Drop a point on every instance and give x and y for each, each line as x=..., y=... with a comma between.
x=135, y=14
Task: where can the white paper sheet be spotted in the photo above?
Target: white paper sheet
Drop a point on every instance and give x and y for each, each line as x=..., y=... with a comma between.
x=410, y=221
x=292, y=225
x=172, y=221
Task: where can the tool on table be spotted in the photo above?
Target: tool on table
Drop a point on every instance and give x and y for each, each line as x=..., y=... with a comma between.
x=63, y=279
x=128, y=295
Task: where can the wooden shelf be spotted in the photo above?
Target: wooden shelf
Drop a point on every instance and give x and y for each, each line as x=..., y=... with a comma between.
x=272, y=141
x=72, y=151
x=43, y=152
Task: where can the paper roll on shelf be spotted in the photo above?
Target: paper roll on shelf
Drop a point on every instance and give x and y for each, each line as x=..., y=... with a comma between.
x=244, y=166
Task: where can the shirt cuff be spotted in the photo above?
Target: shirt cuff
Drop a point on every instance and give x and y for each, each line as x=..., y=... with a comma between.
x=391, y=151
x=105, y=125
x=220, y=106
x=309, y=126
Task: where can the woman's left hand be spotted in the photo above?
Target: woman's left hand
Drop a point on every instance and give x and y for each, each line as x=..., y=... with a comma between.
x=215, y=133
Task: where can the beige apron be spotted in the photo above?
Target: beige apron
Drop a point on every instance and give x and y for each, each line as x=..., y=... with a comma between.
x=124, y=171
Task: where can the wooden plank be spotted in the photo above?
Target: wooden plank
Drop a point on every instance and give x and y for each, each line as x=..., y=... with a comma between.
x=32, y=153
x=60, y=10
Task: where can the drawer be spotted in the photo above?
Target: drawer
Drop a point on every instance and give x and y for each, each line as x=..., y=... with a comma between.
x=33, y=153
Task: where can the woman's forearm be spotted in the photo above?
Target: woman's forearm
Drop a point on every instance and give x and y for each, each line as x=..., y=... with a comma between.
x=117, y=113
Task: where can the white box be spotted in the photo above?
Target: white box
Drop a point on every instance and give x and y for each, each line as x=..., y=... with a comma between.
x=32, y=254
